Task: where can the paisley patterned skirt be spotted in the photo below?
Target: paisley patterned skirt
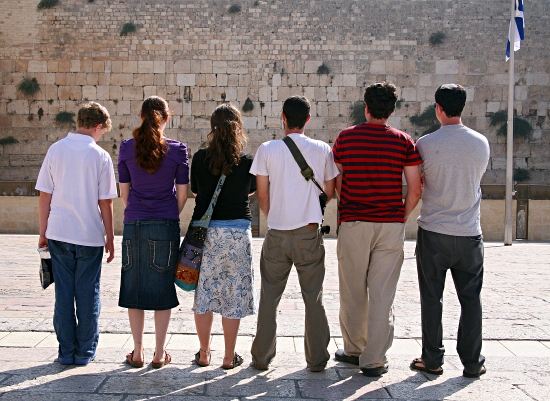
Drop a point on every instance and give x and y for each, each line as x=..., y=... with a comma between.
x=226, y=280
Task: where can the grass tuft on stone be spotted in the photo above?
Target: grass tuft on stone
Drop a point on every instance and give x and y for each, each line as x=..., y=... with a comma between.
x=28, y=87
x=234, y=9
x=45, y=4
x=522, y=128
x=64, y=117
x=521, y=174
x=248, y=105
x=357, y=113
x=9, y=140
x=427, y=120
x=127, y=28
x=437, y=38
x=323, y=69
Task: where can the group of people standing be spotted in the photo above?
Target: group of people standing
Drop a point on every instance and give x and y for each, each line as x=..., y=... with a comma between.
x=364, y=167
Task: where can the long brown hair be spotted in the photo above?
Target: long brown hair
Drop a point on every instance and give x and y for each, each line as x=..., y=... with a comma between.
x=150, y=144
x=226, y=140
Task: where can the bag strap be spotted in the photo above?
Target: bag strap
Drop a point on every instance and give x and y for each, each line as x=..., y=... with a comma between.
x=207, y=216
x=306, y=171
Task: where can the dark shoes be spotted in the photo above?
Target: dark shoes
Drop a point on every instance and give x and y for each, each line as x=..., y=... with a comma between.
x=482, y=371
x=417, y=364
x=317, y=368
x=340, y=356
x=260, y=366
x=375, y=372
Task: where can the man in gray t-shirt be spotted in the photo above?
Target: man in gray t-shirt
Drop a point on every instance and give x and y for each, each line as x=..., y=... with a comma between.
x=449, y=233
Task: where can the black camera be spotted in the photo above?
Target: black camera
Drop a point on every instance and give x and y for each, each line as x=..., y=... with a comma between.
x=323, y=202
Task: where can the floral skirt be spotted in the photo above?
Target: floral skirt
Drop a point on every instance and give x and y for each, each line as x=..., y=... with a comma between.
x=226, y=280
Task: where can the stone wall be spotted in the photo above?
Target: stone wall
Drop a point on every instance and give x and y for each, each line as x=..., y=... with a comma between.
x=19, y=215
x=198, y=54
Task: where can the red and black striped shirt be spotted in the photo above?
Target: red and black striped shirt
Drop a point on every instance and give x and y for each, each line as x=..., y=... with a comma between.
x=373, y=157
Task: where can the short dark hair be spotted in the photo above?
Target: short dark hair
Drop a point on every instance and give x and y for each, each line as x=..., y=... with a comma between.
x=451, y=98
x=296, y=109
x=381, y=99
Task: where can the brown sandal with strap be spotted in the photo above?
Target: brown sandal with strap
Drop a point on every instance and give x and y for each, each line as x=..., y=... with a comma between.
x=167, y=359
x=198, y=357
x=132, y=363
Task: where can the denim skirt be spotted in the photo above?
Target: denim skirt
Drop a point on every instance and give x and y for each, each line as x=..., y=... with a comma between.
x=149, y=258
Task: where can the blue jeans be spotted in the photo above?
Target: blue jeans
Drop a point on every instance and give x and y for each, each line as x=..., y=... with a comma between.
x=76, y=271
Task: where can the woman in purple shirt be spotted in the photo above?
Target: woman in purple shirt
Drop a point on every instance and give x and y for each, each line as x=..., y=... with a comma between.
x=153, y=176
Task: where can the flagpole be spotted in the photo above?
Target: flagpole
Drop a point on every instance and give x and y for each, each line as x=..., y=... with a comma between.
x=508, y=219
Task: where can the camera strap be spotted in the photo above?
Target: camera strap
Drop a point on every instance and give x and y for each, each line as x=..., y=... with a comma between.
x=307, y=171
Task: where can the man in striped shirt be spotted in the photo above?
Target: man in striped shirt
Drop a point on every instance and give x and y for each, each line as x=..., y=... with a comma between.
x=372, y=158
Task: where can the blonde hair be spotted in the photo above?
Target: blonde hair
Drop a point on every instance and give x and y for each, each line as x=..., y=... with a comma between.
x=92, y=114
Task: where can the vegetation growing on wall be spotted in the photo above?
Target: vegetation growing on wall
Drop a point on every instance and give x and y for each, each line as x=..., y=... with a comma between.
x=64, y=117
x=40, y=113
x=323, y=69
x=357, y=113
x=45, y=4
x=28, y=87
x=522, y=128
x=437, y=38
x=127, y=28
x=8, y=140
x=248, y=105
x=521, y=174
x=426, y=120
x=235, y=8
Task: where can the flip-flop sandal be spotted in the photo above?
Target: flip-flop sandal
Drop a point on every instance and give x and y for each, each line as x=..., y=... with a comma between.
x=237, y=361
x=167, y=359
x=416, y=361
x=482, y=371
x=198, y=357
x=131, y=362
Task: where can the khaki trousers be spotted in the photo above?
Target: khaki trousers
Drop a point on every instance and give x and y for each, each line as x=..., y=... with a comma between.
x=370, y=256
x=303, y=247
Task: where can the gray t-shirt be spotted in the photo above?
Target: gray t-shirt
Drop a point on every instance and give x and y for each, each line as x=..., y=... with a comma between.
x=454, y=158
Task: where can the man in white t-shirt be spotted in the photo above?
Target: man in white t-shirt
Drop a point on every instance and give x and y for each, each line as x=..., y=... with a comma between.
x=294, y=217
x=77, y=184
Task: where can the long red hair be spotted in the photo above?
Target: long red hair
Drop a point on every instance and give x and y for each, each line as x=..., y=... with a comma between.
x=150, y=144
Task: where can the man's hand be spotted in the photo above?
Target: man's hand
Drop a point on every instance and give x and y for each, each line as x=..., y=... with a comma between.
x=42, y=242
x=110, y=249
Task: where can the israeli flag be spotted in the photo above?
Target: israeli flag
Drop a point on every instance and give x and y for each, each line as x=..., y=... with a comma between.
x=519, y=26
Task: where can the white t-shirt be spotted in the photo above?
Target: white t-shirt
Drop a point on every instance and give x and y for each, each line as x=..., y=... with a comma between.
x=293, y=201
x=78, y=173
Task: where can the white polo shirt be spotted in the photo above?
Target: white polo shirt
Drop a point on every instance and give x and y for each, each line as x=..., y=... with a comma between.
x=293, y=201
x=78, y=173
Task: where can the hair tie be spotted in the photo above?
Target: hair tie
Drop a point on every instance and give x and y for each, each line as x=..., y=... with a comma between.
x=215, y=127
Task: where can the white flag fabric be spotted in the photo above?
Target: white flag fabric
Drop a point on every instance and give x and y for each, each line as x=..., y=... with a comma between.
x=519, y=25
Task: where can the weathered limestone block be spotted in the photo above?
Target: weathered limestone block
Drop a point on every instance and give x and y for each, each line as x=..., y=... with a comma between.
x=320, y=94
x=25, y=160
x=446, y=67
x=146, y=67
x=37, y=66
x=122, y=79
x=89, y=92
x=132, y=93
x=143, y=80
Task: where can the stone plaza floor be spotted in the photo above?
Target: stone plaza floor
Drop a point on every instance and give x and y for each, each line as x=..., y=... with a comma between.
x=516, y=302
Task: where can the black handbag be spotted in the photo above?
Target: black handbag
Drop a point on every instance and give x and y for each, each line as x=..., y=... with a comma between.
x=45, y=271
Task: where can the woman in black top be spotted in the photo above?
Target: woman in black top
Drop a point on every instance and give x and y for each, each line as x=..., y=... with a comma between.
x=226, y=280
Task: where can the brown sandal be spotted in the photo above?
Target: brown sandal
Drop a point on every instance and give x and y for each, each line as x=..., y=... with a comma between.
x=236, y=361
x=415, y=365
x=131, y=362
x=198, y=357
x=167, y=359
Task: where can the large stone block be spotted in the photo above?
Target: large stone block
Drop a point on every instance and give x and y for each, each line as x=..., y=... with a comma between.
x=446, y=67
x=146, y=67
x=132, y=93
x=37, y=66
x=122, y=79
x=89, y=92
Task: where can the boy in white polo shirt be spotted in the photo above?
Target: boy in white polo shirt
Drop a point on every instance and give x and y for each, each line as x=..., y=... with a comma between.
x=77, y=185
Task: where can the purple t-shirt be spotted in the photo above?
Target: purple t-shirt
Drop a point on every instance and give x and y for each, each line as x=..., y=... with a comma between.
x=153, y=196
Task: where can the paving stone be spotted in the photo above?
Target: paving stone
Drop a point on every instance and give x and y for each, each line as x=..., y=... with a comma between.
x=50, y=341
x=494, y=348
x=354, y=387
x=81, y=383
x=20, y=395
x=110, y=340
x=405, y=346
x=4, y=334
x=29, y=368
x=175, y=397
x=183, y=341
x=168, y=380
x=27, y=354
x=526, y=348
x=541, y=393
x=254, y=386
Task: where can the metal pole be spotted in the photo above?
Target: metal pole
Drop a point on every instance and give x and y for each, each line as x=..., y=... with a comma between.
x=508, y=219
